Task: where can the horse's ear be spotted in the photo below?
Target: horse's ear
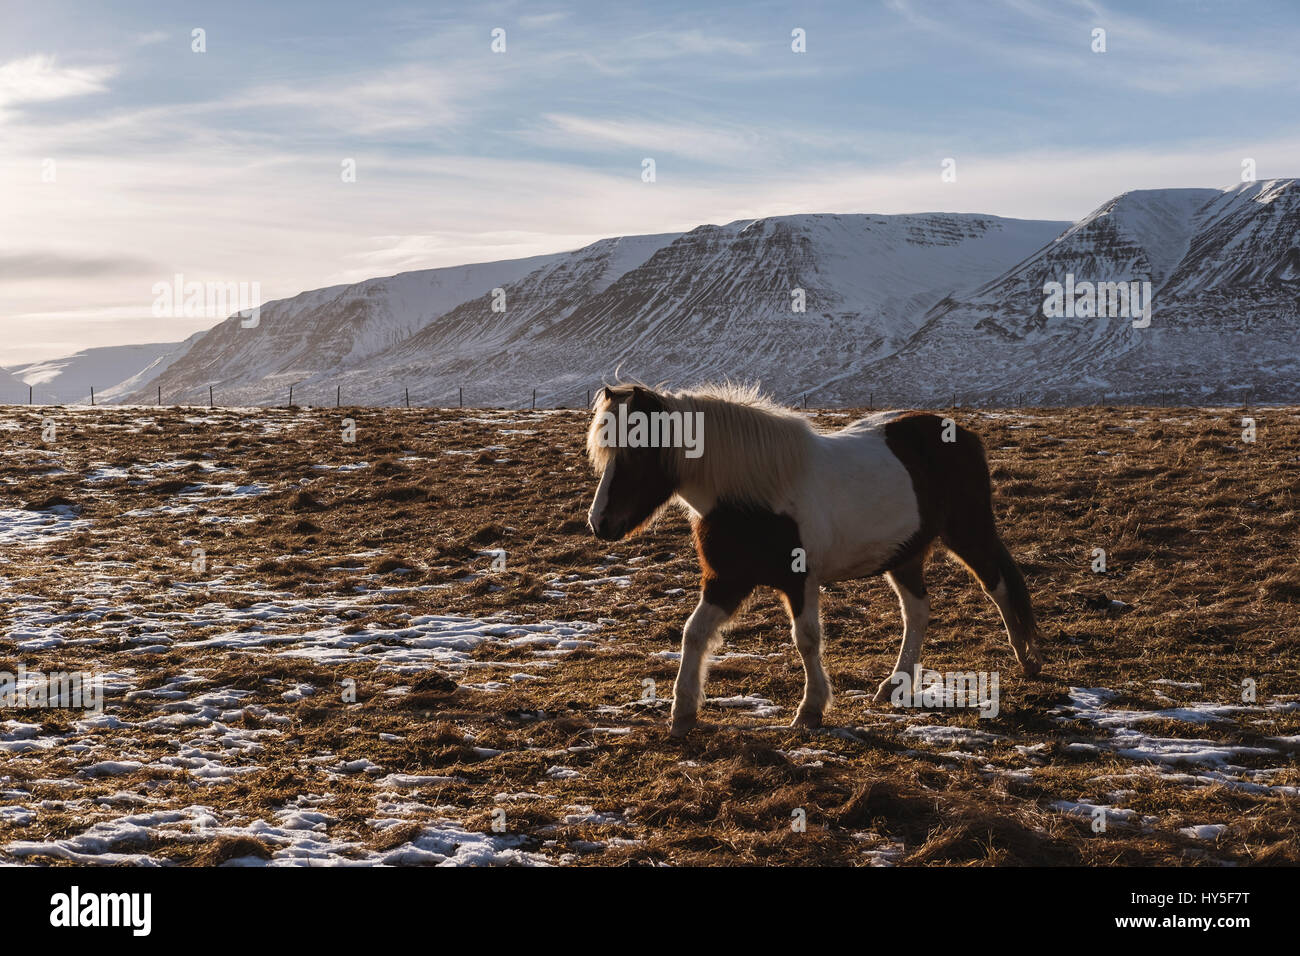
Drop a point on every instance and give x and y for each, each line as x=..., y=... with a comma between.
x=605, y=394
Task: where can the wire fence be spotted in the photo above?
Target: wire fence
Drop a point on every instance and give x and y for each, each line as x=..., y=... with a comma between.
x=460, y=397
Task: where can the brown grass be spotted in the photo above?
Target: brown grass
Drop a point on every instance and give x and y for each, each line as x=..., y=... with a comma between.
x=1199, y=530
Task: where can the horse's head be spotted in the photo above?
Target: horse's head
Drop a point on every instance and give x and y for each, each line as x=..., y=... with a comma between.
x=635, y=480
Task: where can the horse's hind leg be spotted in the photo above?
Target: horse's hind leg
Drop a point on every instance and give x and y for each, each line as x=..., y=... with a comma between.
x=992, y=565
x=806, y=627
x=908, y=582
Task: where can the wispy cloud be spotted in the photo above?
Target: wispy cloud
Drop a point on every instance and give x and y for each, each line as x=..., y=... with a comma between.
x=410, y=97
x=1056, y=38
x=30, y=266
x=711, y=143
x=543, y=19
x=40, y=79
x=701, y=42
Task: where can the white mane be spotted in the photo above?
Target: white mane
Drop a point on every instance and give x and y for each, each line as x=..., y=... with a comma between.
x=754, y=450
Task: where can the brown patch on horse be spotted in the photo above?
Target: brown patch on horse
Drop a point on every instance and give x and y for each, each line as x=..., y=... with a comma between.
x=950, y=480
x=744, y=548
x=911, y=574
x=954, y=496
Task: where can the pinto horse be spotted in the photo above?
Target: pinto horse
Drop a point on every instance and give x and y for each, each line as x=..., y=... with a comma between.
x=774, y=503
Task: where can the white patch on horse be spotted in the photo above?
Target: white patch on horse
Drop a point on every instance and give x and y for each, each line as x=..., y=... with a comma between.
x=597, y=511
x=857, y=506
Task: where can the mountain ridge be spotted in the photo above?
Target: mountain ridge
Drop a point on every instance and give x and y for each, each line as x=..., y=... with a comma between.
x=1218, y=270
x=907, y=308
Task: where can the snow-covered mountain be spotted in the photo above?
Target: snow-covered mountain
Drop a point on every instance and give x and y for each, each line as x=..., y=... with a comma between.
x=108, y=370
x=13, y=390
x=910, y=309
x=1227, y=319
x=150, y=372
x=1224, y=274
x=796, y=301
x=724, y=302
x=326, y=330
x=450, y=352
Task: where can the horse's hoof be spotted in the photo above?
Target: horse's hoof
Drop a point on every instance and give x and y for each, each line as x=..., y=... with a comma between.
x=807, y=721
x=1032, y=664
x=681, y=727
x=885, y=692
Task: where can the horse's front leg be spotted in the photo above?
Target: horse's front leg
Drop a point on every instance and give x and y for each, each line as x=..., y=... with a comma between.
x=806, y=627
x=699, y=638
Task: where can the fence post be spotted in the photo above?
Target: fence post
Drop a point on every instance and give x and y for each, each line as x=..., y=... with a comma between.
x=29, y=394
x=408, y=398
x=460, y=397
x=338, y=396
x=92, y=396
x=159, y=396
x=210, y=405
x=291, y=396
x=534, y=399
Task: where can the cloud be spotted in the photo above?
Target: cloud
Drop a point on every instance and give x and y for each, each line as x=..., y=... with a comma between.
x=19, y=266
x=697, y=41
x=39, y=79
x=645, y=137
x=1156, y=58
x=406, y=98
x=543, y=19
x=1165, y=60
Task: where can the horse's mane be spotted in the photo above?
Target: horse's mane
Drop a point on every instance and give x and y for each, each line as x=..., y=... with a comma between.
x=754, y=450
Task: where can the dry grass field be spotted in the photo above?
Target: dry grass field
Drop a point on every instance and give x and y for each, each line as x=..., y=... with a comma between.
x=409, y=649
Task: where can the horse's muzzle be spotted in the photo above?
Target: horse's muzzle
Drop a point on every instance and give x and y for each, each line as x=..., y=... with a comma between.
x=605, y=529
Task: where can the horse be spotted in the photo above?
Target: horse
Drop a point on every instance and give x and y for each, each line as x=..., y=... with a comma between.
x=772, y=502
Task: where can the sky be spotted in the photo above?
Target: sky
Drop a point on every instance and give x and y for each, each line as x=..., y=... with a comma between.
x=128, y=156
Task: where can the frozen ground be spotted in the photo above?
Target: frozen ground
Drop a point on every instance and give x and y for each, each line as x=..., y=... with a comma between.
x=305, y=662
